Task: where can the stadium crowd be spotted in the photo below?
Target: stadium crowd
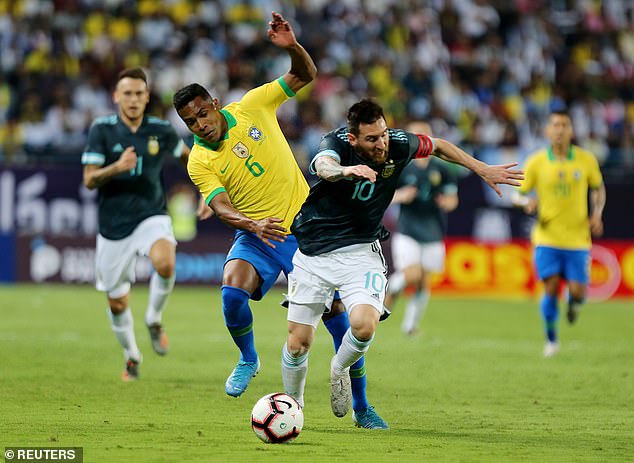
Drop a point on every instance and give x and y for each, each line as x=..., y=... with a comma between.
x=485, y=74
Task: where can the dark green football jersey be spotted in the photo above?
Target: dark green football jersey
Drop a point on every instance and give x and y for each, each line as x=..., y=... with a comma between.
x=346, y=212
x=422, y=219
x=130, y=197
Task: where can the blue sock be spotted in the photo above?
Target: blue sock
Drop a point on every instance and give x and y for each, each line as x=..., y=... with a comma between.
x=337, y=327
x=239, y=321
x=550, y=315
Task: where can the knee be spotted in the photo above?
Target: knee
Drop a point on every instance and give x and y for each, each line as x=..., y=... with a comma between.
x=165, y=267
x=551, y=286
x=233, y=298
x=297, y=345
x=118, y=305
x=363, y=329
x=578, y=292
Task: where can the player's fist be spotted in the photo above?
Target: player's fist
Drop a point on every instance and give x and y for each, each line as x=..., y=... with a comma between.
x=128, y=159
x=280, y=32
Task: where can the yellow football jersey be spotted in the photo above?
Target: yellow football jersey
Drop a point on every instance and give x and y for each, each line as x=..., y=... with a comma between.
x=562, y=195
x=253, y=164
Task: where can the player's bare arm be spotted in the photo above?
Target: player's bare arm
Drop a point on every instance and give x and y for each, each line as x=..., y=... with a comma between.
x=95, y=176
x=203, y=212
x=492, y=175
x=267, y=230
x=329, y=169
x=303, y=69
x=597, y=203
x=527, y=203
x=184, y=157
x=405, y=194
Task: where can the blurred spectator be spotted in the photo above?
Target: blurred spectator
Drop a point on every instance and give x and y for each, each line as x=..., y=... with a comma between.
x=469, y=67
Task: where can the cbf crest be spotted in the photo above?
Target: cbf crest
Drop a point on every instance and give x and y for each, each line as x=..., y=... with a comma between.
x=388, y=169
x=255, y=133
x=153, y=146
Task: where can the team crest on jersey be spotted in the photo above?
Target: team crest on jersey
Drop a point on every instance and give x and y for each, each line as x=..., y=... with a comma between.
x=255, y=133
x=388, y=169
x=240, y=150
x=153, y=146
x=435, y=178
x=577, y=174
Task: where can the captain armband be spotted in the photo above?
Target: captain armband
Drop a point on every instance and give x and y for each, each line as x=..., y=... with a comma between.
x=426, y=147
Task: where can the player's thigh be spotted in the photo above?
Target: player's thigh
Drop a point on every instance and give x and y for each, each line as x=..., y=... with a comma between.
x=361, y=277
x=267, y=262
x=163, y=257
x=150, y=232
x=241, y=274
x=302, y=323
x=433, y=256
x=548, y=262
x=114, y=266
x=577, y=266
x=308, y=282
x=406, y=251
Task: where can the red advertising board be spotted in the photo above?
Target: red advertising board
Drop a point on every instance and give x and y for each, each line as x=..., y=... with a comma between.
x=507, y=269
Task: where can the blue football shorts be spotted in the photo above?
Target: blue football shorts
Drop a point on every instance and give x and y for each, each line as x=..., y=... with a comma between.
x=570, y=264
x=268, y=262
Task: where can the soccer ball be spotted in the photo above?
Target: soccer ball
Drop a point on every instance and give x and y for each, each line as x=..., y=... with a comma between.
x=277, y=418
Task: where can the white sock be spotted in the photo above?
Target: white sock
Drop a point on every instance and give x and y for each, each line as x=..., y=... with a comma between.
x=294, y=371
x=350, y=351
x=396, y=282
x=123, y=328
x=414, y=311
x=160, y=289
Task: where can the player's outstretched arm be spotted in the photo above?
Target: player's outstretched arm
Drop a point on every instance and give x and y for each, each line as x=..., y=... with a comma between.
x=303, y=69
x=267, y=230
x=329, y=169
x=492, y=175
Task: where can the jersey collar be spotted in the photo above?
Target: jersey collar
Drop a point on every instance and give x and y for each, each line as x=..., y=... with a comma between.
x=231, y=123
x=551, y=156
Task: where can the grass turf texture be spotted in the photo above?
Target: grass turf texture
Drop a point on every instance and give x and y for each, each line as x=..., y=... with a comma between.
x=472, y=387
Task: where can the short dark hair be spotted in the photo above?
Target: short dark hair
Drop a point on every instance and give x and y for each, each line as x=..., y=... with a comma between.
x=365, y=111
x=560, y=112
x=187, y=94
x=133, y=73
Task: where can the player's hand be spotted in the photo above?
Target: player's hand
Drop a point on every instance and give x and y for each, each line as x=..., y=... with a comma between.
x=406, y=194
x=203, y=212
x=445, y=202
x=127, y=160
x=269, y=230
x=596, y=225
x=502, y=174
x=280, y=32
x=530, y=207
x=360, y=171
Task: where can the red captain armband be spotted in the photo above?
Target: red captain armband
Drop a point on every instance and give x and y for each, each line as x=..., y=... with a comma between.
x=426, y=147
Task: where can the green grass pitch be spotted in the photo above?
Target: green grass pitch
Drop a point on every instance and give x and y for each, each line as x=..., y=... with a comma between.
x=472, y=387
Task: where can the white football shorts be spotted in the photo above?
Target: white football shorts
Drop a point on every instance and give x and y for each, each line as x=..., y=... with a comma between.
x=116, y=259
x=358, y=272
x=406, y=251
